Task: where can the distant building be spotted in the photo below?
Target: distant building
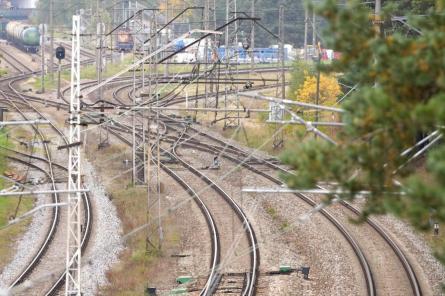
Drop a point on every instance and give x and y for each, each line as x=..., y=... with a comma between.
x=24, y=3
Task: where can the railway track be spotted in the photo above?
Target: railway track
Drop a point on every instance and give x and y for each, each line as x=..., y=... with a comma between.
x=249, y=285
x=234, y=154
x=215, y=274
x=363, y=261
x=237, y=156
x=86, y=204
x=23, y=100
x=55, y=211
x=15, y=62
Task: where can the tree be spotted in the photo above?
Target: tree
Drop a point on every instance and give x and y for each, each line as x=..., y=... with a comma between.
x=401, y=97
x=300, y=70
x=329, y=90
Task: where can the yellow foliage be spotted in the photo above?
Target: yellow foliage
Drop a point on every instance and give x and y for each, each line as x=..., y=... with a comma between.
x=329, y=90
x=176, y=5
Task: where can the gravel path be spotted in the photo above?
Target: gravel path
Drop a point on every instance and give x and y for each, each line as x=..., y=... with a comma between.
x=105, y=241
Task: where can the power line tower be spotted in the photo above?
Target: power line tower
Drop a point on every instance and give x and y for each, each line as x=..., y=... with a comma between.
x=278, y=139
x=231, y=98
x=139, y=153
x=73, y=251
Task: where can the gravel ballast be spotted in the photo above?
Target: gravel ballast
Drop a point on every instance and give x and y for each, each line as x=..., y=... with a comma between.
x=25, y=245
x=105, y=241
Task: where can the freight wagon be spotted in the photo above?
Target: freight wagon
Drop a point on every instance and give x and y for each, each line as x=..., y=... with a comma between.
x=24, y=36
x=124, y=41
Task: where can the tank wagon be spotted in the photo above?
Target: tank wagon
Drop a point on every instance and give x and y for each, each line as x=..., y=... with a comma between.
x=24, y=36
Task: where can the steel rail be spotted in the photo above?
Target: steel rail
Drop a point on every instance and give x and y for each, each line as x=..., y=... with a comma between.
x=86, y=201
x=55, y=215
x=254, y=250
x=415, y=285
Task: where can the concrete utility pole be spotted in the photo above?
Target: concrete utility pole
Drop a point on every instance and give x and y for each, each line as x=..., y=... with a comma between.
x=377, y=17
x=74, y=238
x=51, y=25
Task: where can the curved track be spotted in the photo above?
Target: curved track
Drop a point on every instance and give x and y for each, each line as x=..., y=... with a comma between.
x=233, y=153
x=22, y=100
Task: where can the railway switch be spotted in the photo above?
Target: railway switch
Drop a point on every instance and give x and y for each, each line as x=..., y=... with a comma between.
x=305, y=271
x=150, y=291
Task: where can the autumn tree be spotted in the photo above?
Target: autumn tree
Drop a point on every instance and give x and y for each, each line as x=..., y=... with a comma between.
x=400, y=99
x=329, y=90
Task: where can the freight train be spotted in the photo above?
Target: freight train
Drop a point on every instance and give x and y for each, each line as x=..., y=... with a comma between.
x=24, y=36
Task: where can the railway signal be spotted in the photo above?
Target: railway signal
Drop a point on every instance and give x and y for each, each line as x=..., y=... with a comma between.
x=60, y=55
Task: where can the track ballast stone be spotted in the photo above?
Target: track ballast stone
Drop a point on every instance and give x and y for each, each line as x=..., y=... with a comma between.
x=105, y=241
x=26, y=245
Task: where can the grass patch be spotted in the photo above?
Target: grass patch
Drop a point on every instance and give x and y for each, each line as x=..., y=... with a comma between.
x=272, y=212
x=8, y=207
x=137, y=267
x=3, y=72
x=133, y=272
x=283, y=223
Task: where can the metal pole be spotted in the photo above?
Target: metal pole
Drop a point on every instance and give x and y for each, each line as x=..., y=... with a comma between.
x=59, y=95
x=166, y=37
x=252, y=37
x=278, y=139
x=51, y=25
x=43, y=60
x=306, y=17
x=206, y=46
x=314, y=29
x=148, y=149
x=161, y=233
x=73, y=251
x=134, y=117
x=99, y=32
x=317, y=96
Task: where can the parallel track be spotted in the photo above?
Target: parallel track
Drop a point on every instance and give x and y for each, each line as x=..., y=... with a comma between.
x=21, y=99
x=368, y=275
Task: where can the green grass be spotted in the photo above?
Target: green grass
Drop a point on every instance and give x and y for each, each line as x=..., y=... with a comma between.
x=8, y=206
x=3, y=72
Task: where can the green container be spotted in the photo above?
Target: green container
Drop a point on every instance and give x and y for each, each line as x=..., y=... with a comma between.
x=285, y=269
x=178, y=291
x=183, y=279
